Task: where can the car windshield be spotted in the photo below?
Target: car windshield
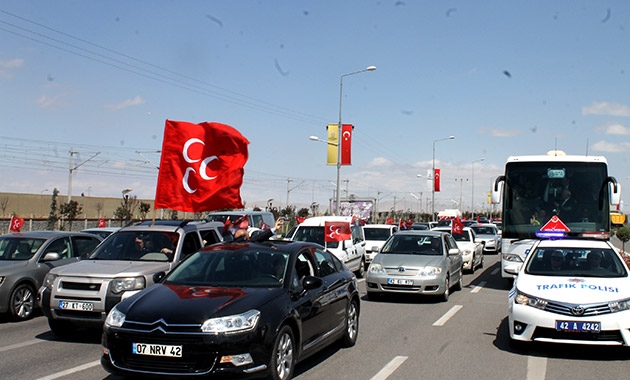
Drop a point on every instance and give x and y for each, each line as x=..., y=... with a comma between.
x=244, y=267
x=313, y=235
x=376, y=233
x=19, y=248
x=484, y=230
x=575, y=262
x=413, y=245
x=137, y=246
x=464, y=236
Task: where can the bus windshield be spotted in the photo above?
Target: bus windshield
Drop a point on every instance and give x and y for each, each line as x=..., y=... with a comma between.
x=575, y=192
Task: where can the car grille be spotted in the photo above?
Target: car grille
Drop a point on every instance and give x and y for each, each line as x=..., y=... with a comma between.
x=408, y=288
x=602, y=336
x=197, y=357
x=402, y=271
x=87, y=286
x=568, y=309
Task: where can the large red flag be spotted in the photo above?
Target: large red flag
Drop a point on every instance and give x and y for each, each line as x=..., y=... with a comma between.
x=337, y=231
x=436, y=180
x=457, y=227
x=201, y=168
x=15, y=225
x=346, y=143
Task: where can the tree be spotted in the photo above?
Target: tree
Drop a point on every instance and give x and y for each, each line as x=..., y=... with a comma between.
x=623, y=234
x=70, y=211
x=4, y=202
x=52, y=217
x=144, y=209
x=122, y=214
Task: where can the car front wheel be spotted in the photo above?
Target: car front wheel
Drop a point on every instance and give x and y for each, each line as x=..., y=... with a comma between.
x=352, y=324
x=22, y=302
x=282, y=359
x=447, y=289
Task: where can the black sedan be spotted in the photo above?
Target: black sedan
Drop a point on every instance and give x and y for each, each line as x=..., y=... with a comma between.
x=235, y=309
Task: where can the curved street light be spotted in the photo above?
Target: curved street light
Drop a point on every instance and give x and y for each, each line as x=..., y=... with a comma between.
x=473, y=188
x=338, y=200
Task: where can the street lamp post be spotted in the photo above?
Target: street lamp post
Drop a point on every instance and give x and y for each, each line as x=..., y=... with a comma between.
x=433, y=178
x=473, y=188
x=338, y=199
x=420, y=176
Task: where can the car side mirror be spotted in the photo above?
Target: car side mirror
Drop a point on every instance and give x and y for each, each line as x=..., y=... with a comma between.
x=157, y=277
x=453, y=251
x=376, y=249
x=51, y=256
x=311, y=282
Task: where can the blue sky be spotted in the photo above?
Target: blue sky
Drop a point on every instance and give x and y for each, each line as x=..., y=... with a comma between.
x=504, y=77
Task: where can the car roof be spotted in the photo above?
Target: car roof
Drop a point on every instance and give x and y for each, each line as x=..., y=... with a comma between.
x=574, y=243
x=282, y=245
x=384, y=226
x=111, y=229
x=46, y=234
x=172, y=225
x=318, y=221
x=422, y=232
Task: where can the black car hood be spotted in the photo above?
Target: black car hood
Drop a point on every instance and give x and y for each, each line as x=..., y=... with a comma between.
x=178, y=304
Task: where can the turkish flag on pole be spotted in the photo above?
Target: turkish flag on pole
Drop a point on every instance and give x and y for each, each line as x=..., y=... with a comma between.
x=346, y=143
x=457, y=227
x=436, y=180
x=337, y=231
x=201, y=168
x=15, y=225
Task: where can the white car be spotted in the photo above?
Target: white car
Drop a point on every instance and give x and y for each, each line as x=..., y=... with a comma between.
x=489, y=234
x=571, y=291
x=469, y=245
x=375, y=237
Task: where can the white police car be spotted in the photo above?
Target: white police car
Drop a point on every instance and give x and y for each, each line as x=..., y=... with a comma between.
x=571, y=291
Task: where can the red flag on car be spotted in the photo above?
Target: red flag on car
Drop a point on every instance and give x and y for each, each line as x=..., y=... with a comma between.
x=201, y=168
x=15, y=225
x=457, y=227
x=299, y=219
x=337, y=231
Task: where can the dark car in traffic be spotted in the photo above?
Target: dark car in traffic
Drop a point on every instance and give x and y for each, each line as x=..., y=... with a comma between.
x=238, y=309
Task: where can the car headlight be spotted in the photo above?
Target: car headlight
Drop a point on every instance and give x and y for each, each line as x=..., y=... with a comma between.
x=119, y=285
x=430, y=271
x=619, y=305
x=524, y=299
x=49, y=281
x=115, y=318
x=376, y=268
x=512, y=258
x=466, y=252
x=232, y=324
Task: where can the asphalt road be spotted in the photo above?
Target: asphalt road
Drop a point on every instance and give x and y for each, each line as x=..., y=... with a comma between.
x=400, y=338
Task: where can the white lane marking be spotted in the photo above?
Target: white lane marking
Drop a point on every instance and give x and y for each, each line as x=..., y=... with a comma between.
x=71, y=370
x=389, y=368
x=19, y=345
x=495, y=271
x=536, y=368
x=477, y=288
x=447, y=316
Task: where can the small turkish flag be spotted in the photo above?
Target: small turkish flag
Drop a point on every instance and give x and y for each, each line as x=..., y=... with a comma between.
x=337, y=231
x=457, y=227
x=16, y=224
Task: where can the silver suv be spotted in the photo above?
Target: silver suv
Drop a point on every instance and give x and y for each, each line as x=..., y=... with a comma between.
x=26, y=258
x=84, y=292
